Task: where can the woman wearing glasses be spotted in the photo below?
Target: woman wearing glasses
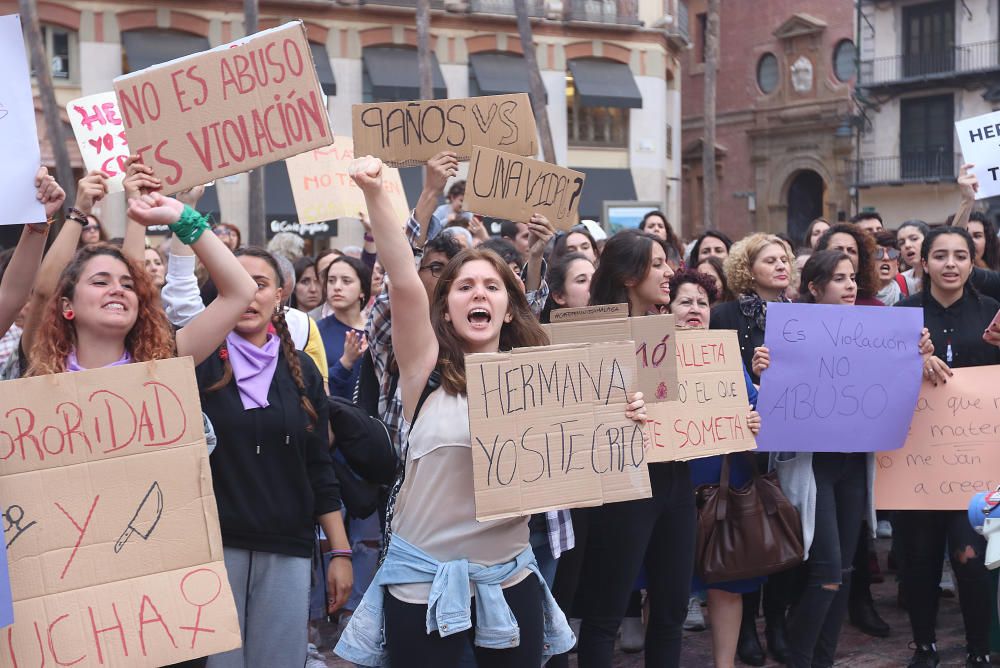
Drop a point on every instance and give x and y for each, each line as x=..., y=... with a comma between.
x=93, y=231
x=891, y=282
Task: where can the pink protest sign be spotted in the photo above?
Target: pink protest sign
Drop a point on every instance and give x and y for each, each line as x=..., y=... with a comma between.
x=100, y=133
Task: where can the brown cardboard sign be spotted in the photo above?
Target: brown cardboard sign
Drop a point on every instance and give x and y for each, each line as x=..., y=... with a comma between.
x=113, y=538
x=226, y=110
x=323, y=190
x=512, y=187
x=653, y=336
x=709, y=415
x=404, y=134
x=549, y=429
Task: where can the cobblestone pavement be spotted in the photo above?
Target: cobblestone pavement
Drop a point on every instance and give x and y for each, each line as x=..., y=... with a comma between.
x=855, y=650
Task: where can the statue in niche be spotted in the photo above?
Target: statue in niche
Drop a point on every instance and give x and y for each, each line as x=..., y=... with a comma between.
x=802, y=75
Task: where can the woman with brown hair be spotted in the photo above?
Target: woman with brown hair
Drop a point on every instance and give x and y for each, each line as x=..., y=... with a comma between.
x=478, y=306
x=860, y=247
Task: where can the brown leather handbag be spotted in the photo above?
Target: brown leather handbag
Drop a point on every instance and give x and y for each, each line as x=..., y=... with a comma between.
x=747, y=532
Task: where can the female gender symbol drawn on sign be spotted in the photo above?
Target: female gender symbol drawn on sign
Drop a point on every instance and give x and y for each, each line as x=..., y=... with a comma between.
x=197, y=620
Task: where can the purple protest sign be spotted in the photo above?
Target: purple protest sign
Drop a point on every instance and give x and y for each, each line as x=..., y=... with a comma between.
x=842, y=378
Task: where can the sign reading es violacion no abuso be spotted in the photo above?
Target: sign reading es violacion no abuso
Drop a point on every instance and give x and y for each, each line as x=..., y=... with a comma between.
x=227, y=110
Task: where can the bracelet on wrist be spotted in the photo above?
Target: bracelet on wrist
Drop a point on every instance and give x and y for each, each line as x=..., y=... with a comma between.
x=369, y=238
x=347, y=554
x=76, y=216
x=190, y=226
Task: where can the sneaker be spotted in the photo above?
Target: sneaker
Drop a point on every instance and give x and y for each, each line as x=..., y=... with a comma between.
x=925, y=656
x=883, y=529
x=313, y=657
x=633, y=635
x=977, y=660
x=695, y=620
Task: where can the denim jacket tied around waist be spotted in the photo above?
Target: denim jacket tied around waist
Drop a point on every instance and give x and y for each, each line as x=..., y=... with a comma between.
x=448, y=607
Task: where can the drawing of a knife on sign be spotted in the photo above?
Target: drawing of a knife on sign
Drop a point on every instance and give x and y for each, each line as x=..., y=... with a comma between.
x=146, y=517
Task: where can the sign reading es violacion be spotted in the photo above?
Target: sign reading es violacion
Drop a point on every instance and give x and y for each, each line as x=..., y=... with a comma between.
x=980, y=140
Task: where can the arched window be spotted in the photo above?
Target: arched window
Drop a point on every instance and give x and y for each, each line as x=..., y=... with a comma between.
x=767, y=73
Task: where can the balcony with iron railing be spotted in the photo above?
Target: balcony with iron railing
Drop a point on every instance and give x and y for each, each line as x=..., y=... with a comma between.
x=908, y=168
x=620, y=12
x=606, y=12
x=963, y=62
x=536, y=8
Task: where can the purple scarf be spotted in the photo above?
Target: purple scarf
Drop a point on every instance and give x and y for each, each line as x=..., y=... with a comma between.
x=72, y=364
x=253, y=368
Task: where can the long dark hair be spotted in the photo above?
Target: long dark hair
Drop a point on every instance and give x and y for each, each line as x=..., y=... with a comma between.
x=288, y=349
x=725, y=295
x=522, y=331
x=866, y=271
x=302, y=265
x=819, y=270
x=363, y=271
x=672, y=238
x=556, y=278
x=696, y=249
x=627, y=257
x=559, y=245
x=809, y=231
x=931, y=237
x=991, y=252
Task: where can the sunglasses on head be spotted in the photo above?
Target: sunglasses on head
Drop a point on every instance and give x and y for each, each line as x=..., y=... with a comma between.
x=882, y=253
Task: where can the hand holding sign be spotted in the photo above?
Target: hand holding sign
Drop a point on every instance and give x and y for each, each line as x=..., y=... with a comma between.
x=139, y=178
x=155, y=209
x=90, y=190
x=49, y=193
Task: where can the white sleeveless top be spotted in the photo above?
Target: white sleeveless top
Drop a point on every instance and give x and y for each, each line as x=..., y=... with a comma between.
x=436, y=506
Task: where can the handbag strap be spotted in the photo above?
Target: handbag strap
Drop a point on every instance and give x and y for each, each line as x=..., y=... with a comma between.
x=722, y=497
x=763, y=489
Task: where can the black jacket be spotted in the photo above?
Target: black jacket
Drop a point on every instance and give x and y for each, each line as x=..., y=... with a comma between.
x=960, y=327
x=272, y=477
x=728, y=315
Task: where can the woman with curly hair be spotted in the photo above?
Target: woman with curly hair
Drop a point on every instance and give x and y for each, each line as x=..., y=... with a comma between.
x=760, y=269
x=104, y=309
x=860, y=247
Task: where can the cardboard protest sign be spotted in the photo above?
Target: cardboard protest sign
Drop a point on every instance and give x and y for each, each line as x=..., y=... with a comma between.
x=323, y=190
x=18, y=134
x=653, y=336
x=226, y=110
x=100, y=133
x=980, y=140
x=549, y=429
x=404, y=134
x=111, y=523
x=951, y=452
x=709, y=415
x=509, y=186
x=842, y=378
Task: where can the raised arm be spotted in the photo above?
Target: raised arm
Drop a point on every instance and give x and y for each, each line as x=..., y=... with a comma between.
x=439, y=169
x=541, y=233
x=413, y=338
x=139, y=180
x=968, y=184
x=20, y=274
x=89, y=191
x=236, y=288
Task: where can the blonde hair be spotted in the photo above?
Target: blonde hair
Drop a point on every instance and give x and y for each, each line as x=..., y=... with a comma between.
x=744, y=253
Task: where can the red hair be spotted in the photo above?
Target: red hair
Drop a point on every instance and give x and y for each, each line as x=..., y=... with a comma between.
x=151, y=338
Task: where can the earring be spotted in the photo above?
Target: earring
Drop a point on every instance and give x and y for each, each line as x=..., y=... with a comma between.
x=68, y=314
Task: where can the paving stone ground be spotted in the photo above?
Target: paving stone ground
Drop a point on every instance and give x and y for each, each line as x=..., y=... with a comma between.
x=855, y=650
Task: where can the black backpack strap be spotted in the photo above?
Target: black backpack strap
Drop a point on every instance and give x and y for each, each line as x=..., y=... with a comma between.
x=433, y=383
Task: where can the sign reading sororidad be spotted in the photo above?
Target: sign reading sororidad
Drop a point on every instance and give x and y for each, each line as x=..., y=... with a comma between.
x=111, y=524
x=323, y=190
x=404, y=134
x=226, y=110
x=951, y=451
x=709, y=415
x=549, y=429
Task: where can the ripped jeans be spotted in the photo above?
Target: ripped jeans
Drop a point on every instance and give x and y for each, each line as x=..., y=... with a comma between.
x=921, y=537
x=841, y=497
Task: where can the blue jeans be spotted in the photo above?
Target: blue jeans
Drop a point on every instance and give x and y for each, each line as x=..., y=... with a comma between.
x=543, y=555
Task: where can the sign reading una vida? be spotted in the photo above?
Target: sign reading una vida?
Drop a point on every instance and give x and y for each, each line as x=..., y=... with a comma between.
x=509, y=186
x=841, y=379
x=980, y=140
x=18, y=134
x=709, y=414
x=549, y=429
x=404, y=134
x=226, y=110
x=110, y=520
x=100, y=134
x=951, y=452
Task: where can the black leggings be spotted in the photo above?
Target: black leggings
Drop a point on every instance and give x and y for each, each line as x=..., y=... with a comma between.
x=659, y=531
x=410, y=645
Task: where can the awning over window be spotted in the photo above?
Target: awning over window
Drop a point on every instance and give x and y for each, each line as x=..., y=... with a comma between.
x=394, y=74
x=499, y=73
x=323, y=70
x=605, y=83
x=603, y=185
x=152, y=46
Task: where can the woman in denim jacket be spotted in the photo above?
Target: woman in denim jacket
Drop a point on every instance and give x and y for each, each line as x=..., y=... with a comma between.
x=417, y=611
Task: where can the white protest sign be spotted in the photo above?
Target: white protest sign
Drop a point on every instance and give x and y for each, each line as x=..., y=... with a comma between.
x=100, y=133
x=18, y=134
x=980, y=140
